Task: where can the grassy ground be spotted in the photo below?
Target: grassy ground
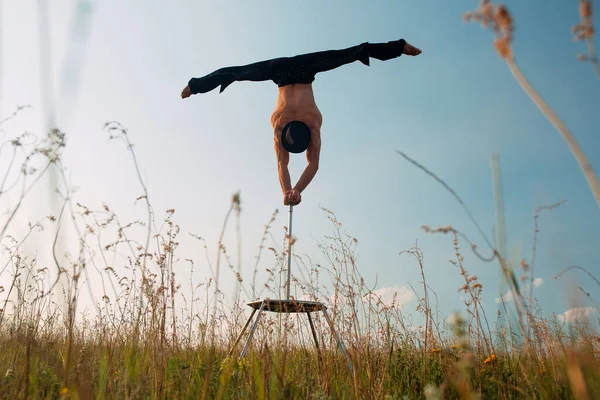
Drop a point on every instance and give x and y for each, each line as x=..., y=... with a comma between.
x=98, y=361
x=136, y=347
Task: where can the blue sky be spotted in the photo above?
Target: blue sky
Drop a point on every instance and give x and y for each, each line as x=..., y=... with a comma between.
x=449, y=108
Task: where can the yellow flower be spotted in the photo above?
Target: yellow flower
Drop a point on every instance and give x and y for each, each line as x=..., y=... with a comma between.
x=64, y=391
x=490, y=359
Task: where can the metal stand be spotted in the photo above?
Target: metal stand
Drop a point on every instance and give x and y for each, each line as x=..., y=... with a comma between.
x=288, y=306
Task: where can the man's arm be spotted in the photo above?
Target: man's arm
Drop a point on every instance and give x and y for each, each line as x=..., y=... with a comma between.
x=312, y=157
x=283, y=159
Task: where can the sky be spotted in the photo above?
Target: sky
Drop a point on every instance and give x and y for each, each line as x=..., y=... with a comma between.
x=450, y=109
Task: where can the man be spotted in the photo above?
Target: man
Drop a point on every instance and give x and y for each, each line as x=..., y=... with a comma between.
x=296, y=120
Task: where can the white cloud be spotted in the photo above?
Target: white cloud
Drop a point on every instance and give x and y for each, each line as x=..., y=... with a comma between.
x=576, y=314
x=507, y=297
x=402, y=294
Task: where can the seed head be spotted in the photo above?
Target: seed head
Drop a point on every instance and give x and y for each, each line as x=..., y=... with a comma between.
x=582, y=57
x=524, y=265
x=585, y=9
x=503, y=19
x=502, y=46
x=500, y=20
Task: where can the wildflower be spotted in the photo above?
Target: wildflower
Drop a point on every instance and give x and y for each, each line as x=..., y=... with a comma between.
x=432, y=392
x=241, y=364
x=436, y=350
x=490, y=359
x=64, y=391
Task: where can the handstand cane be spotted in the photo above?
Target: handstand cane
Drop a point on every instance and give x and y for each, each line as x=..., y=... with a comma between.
x=289, y=268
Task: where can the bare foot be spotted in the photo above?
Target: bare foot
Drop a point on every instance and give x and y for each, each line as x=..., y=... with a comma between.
x=187, y=92
x=411, y=50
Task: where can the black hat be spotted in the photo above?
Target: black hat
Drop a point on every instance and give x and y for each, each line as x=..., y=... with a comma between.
x=295, y=137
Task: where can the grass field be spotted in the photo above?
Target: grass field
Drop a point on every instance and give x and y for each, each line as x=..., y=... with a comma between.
x=149, y=340
x=137, y=347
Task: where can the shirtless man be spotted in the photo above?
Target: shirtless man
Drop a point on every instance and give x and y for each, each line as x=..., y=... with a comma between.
x=296, y=120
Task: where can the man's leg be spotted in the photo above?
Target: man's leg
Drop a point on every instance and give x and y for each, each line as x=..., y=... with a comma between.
x=255, y=72
x=300, y=68
x=327, y=60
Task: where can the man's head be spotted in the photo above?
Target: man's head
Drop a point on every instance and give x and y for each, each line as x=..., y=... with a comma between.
x=295, y=137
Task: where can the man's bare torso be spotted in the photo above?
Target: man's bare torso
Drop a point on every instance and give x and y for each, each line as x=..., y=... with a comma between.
x=296, y=103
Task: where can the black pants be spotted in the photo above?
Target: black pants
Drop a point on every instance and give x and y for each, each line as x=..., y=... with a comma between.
x=298, y=69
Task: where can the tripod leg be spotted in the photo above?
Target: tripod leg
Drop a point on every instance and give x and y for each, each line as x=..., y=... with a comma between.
x=314, y=333
x=253, y=329
x=241, y=333
x=330, y=322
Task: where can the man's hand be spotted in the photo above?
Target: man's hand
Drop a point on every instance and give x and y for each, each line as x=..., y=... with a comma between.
x=187, y=92
x=292, y=197
x=411, y=50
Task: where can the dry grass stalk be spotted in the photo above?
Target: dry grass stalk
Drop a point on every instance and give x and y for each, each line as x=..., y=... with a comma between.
x=501, y=21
